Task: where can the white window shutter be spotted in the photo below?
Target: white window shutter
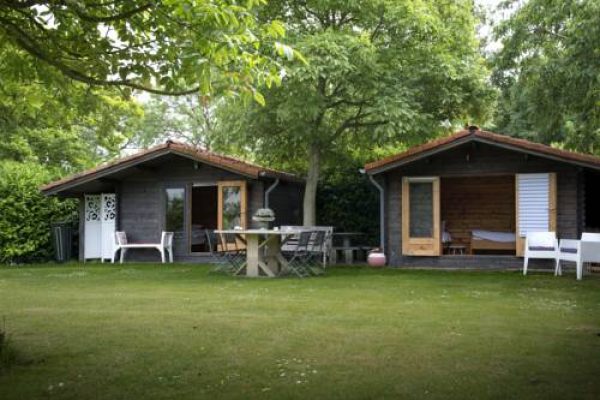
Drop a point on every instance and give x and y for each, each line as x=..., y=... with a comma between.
x=533, y=203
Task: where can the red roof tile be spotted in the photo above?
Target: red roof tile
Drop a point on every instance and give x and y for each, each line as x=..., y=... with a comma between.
x=415, y=153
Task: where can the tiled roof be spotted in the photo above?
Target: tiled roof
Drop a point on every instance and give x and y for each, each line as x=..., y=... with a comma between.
x=170, y=147
x=415, y=153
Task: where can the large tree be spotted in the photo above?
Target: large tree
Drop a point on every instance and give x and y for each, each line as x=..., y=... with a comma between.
x=379, y=72
x=549, y=72
x=185, y=118
x=171, y=47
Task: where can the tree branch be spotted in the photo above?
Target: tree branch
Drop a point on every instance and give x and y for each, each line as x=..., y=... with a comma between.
x=34, y=49
x=112, y=18
x=17, y=5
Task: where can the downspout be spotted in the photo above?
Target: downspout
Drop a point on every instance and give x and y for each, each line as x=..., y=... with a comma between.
x=268, y=192
x=381, y=209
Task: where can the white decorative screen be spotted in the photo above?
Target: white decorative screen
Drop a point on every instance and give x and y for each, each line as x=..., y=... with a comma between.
x=93, y=226
x=92, y=207
x=109, y=207
x=534, y=203
x=109, y=219
x=100, y=217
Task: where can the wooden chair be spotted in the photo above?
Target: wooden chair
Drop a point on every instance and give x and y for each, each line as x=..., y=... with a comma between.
x=542, y=245
x=578, y=251
x=165, y=245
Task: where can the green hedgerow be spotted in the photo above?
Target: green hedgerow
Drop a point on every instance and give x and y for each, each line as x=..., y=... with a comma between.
x=26, y=214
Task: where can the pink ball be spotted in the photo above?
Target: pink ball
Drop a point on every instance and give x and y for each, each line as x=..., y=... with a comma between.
x=376, y=259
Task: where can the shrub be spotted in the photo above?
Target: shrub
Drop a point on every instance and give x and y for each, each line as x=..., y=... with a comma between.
x=350, y=203
x=26, y=214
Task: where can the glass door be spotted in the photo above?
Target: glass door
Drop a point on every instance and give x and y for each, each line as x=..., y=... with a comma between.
x=232, y=204
x=421, y=216
x=175, y=218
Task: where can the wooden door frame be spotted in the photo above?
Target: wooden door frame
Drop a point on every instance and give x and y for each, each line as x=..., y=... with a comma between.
x=421, y=246
x=243, y=201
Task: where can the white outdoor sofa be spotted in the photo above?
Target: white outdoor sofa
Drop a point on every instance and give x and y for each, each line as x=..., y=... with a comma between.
x=578, y=251
x=166, y=244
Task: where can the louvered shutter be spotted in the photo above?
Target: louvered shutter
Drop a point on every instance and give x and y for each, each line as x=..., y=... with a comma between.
x=534, y=203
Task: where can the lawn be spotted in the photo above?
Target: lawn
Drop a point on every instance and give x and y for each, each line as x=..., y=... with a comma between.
x=181, y=332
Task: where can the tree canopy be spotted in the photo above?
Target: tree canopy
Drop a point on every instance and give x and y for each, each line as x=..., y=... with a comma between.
x=48, y=119
x=379, y=72
x=171, y=47
x=549, y=73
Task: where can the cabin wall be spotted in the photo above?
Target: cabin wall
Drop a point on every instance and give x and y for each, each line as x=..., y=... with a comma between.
x=476, y=161
x=286, y=201
x=469, y=203
x=141, y=201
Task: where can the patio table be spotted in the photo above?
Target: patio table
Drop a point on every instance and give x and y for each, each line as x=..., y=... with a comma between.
x=263, y=250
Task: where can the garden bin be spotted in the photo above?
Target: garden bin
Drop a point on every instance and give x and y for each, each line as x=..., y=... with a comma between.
x=62, y=236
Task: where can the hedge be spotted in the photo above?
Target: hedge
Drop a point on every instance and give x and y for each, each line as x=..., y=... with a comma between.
x=26, y=215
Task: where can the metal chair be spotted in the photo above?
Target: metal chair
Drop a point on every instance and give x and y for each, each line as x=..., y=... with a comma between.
x=233, y=253
x=218, y=256
x=299, y=262
x=315, y=261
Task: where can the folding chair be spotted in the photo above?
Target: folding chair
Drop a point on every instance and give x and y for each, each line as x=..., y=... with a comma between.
x=316, y=262
x=299, y=262
x=235, y=256
x=218, y=256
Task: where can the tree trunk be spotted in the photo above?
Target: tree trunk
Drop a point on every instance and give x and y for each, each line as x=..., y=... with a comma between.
x=310, y=190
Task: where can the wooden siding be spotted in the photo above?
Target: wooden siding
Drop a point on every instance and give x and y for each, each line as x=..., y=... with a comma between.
x=477, y=203
x=480, y=160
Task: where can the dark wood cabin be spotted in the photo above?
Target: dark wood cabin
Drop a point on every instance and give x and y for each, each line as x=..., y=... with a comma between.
x=467, y=200
x=179, y=188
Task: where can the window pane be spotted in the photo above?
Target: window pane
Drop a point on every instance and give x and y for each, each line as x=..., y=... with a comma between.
x=175, y=209
x=232, y=207
x=421, y=209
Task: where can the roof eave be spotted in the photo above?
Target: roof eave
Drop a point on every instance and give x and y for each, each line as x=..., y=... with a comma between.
x=57, y=187
x=415, y=157
x=472, y=138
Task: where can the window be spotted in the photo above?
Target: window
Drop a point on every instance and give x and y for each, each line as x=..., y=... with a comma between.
x=421, y=209
x=174, y=215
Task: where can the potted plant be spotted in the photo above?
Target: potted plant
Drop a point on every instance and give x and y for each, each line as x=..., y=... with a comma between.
x=263, y=217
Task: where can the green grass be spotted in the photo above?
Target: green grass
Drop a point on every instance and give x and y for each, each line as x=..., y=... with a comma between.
x=179, y=332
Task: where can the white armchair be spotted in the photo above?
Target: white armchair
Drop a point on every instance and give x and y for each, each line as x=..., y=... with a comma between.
x=542, y=245
x=579, y=251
